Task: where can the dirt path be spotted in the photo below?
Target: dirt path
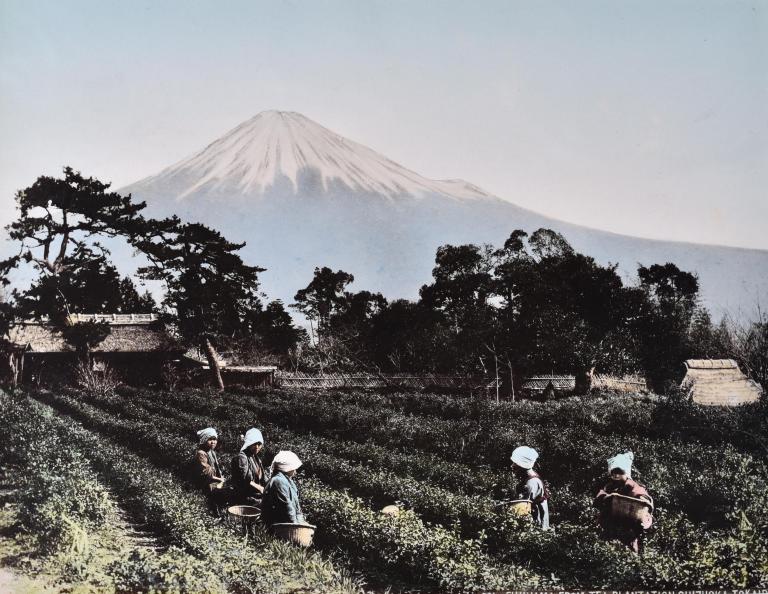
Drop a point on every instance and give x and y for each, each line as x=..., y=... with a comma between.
x=13, y=583
x=23, y=571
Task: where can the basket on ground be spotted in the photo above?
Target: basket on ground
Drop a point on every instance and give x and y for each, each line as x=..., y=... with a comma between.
x=298, y=534
x=244, y=511
x=630, y=508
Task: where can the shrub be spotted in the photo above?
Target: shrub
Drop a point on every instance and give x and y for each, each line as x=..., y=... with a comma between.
x=169, y=573
x=96, y=382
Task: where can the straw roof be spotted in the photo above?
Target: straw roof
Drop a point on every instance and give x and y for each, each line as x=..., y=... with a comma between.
x=138, y=333
x=541, y=382
x=711, y=364
x=719, y=382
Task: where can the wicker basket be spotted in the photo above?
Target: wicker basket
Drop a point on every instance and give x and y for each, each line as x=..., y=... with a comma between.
x=630, y=508
x=244, y=512
x=298, y=534
x=520, y=507
x=517, y=507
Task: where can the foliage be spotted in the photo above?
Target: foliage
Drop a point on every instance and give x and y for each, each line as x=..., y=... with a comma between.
x=85, y=336
x=71, y=211
x=273, y=331
x=173, y=571
x=87, y=283
x=323, y=296
x=170, y=450
x=671, y=297
x=180, y=515
x=700, y=509
x=96, y=382
x=534, y=305
x=209, y=290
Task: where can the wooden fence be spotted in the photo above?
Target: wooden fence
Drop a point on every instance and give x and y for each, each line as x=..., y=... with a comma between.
x=426, y=381
x=369, y=380
x=619, y=384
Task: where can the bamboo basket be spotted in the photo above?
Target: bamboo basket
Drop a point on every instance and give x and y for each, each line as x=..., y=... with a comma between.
x=518, y=507
x=244, y=512
x=298, y=534
x=630, y=508
x=244, y=517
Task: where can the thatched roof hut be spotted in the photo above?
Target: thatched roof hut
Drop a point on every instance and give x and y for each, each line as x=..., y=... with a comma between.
x=137, y=346
x=718, y=382
x=548, y=386
x=129, y=333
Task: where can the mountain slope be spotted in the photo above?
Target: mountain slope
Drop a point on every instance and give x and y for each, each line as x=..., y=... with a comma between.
x=287, y=152
x=302, y=196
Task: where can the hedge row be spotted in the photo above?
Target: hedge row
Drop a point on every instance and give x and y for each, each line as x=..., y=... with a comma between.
x=401, y=546
x=687, y=477
x=206, y=552
x=679, y=551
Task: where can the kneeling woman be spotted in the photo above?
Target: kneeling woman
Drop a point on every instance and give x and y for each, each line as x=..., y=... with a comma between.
x=207, y=470
x=248, y=475
x=281, y=497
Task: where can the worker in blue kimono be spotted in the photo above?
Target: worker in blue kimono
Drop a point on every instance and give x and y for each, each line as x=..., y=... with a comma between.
x=530, y=485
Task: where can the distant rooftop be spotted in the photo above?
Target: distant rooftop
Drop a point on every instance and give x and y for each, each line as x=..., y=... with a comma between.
x=130, y=333
x=112, y=319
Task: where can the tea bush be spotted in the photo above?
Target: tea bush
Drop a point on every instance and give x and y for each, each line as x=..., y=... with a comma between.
x=470, y=572
x=438, y=453
x=173, y=571
x=182, y=517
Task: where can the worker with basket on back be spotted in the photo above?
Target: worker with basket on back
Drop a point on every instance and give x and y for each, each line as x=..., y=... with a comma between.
x=626, y=508
x=531, y=487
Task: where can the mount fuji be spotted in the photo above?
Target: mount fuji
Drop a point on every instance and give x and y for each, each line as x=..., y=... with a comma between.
x=302, y=196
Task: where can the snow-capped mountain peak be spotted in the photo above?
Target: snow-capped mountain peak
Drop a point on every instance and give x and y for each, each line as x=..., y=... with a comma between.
x=286, y=150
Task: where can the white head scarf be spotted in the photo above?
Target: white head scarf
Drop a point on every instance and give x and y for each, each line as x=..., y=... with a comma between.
x=622, y=461
x=524, y=457
x=205, y=434
x=252, y=436
x=285, y=461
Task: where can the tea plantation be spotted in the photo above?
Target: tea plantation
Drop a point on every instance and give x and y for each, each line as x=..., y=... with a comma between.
x=76, y=458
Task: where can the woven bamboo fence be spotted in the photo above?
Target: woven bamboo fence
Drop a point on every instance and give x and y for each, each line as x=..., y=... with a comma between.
x=369, y=380
x=630, y=383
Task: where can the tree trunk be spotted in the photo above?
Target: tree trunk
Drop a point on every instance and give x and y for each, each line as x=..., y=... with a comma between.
x=213, y=363
x=13, y=369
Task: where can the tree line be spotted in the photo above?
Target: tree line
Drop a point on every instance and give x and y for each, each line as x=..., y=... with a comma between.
x=532, y=305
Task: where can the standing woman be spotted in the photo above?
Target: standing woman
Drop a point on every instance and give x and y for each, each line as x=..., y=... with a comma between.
x=248, y=475
x=207, y=472
x=627, y=530
x=530, y=484
x=281, y=498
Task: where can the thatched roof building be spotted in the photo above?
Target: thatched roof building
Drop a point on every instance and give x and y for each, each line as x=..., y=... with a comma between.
x=137, y=347
x=129, y=333
x=718, y=382
x=548, y=386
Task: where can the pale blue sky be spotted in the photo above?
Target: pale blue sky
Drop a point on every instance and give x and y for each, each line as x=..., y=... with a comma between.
x=646, y=118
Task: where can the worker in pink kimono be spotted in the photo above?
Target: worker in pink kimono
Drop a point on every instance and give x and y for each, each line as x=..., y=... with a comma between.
x=629, y=531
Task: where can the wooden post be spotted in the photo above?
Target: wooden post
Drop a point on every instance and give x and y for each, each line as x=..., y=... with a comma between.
x=21, y=368
x=213, y=363
x=13, y=368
